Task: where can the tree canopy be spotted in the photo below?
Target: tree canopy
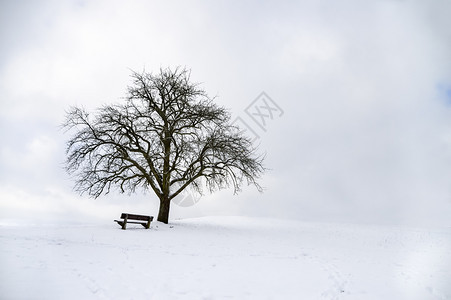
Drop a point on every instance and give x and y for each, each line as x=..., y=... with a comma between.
x=167, y=136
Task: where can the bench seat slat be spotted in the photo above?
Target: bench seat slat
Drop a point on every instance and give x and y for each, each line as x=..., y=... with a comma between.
x=133, y=222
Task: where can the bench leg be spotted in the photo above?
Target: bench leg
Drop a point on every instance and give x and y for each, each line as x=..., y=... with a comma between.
x=147, y=225
x=124, y=224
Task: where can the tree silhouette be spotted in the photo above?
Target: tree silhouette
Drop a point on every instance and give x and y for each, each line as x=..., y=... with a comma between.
x=168, y=135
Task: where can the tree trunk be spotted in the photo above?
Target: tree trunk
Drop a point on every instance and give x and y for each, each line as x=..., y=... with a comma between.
x=163, y=214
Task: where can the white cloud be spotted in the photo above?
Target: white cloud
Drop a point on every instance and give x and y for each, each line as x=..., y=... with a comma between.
x=365, y=133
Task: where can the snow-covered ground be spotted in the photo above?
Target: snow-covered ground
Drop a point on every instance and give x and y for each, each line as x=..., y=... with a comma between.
x=224, y=258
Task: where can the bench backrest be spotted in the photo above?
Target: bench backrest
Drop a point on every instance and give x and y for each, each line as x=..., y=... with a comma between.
x=136, y=217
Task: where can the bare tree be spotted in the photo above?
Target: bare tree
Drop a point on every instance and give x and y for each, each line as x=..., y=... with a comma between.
x=167, y=136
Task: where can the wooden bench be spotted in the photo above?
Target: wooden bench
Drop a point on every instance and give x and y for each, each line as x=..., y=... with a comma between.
x=145, y=220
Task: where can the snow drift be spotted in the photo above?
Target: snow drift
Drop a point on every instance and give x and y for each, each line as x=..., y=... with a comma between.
x=224, y=258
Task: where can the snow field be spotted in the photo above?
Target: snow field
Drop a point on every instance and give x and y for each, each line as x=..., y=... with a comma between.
x=224, y=258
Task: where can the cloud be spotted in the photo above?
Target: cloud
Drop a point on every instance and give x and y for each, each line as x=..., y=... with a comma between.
x=365, y=133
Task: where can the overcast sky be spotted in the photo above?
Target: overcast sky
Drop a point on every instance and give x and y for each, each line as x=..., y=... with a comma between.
x=361, y=130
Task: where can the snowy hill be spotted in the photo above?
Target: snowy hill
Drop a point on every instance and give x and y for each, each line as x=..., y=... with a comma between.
x=224, y=258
